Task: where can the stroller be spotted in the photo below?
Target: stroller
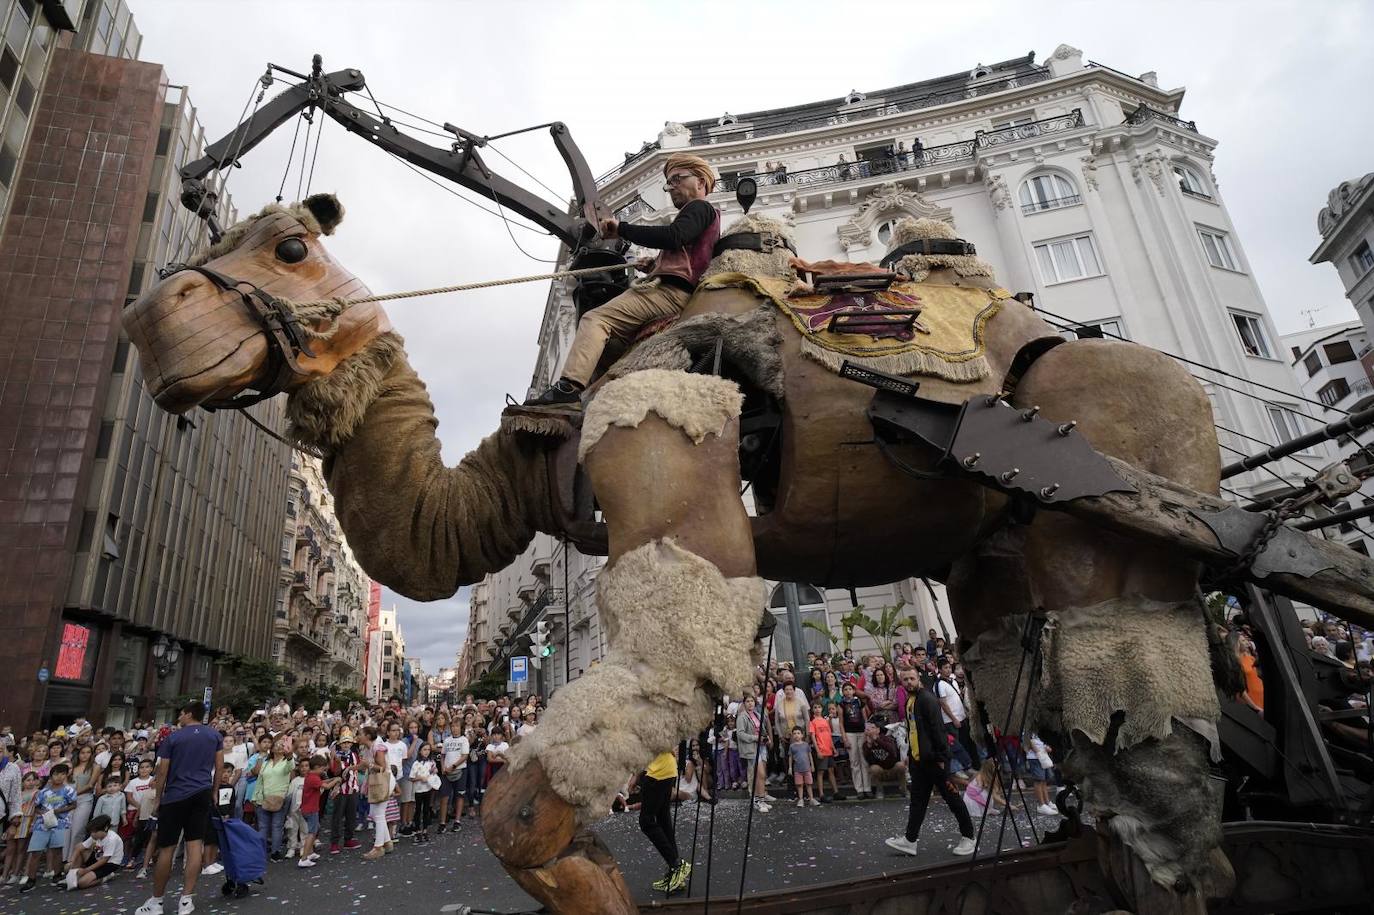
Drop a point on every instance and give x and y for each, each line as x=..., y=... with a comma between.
x=243, y=853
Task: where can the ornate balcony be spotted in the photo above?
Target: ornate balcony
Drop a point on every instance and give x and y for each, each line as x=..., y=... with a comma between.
x=632, y=209
x=298, y=582
x=309, y=640
x=1072, y=200
x=987, y=139
x=1144, y=114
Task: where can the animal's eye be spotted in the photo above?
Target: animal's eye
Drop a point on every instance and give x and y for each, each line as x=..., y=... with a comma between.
x=292, y=250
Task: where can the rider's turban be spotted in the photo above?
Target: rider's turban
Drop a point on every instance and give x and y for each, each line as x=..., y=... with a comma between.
x=694, y=164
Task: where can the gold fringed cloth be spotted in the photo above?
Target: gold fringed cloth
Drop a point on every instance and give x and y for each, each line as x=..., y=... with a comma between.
x=948, y=341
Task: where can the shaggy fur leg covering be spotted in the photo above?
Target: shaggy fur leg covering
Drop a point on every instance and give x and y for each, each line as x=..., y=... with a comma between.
x=327, y=411
x=681, y=634
x=699, y=405
x=1129, y=682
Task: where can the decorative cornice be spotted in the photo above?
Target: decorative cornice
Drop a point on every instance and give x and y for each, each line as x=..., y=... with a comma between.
x=883, y=203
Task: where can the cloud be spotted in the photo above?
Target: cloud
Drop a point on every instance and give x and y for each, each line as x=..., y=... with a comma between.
x=434, y=630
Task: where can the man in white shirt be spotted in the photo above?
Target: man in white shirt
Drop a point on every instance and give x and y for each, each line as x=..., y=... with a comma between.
x=954, y=714
x=452, y=771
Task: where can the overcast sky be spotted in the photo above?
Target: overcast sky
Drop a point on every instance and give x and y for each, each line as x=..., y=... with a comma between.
x=1283, y=86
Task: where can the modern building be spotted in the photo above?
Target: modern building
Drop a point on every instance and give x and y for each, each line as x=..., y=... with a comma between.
x=1346, y=225
x=1328, y=359
x=1082, y=185
x=135, y=547
x=389, y=647
x=321, y=608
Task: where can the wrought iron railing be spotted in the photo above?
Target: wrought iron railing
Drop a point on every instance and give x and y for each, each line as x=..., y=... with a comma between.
x=1201, y=195
x=1145, y=113
x=896, y=162
x=1017, y=132
x=830, y=120
x=1055, y=203
x=633, y=208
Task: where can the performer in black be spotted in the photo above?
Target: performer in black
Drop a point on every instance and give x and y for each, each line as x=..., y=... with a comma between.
x=929, y=753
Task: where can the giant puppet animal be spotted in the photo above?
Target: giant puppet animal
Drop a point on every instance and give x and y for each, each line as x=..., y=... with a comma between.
x=1125, y=656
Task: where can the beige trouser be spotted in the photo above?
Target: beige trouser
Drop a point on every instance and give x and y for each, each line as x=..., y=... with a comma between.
x=620, y=317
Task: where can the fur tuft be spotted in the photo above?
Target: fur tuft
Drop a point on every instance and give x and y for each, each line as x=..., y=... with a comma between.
x=776, y=263
x=750, y=342
x=324, y=413
x=699, y=405
x=527, y=423
x=917, y=267
x=235, y=234
x=667, y=611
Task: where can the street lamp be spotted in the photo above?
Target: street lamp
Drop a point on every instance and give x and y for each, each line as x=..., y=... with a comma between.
x=165, y=655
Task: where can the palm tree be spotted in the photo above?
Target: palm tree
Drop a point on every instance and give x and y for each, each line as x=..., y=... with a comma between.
x=847, y=624
x=887, y=626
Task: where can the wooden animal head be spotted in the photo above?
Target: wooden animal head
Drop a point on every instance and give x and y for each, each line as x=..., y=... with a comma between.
x=200, y=343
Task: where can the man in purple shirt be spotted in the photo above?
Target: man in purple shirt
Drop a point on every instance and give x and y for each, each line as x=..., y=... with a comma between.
x=187, y=760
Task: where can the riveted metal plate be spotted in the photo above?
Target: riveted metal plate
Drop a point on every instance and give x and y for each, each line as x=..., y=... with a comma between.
x=1291, y=552
x=1015, y=451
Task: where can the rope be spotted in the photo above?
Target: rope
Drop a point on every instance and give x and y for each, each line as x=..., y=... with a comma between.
x=462, y=287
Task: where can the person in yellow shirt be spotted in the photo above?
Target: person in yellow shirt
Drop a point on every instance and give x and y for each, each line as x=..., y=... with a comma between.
x=656, y=820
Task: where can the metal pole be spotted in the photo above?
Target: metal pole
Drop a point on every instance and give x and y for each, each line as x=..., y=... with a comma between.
x=1354, y=514
x=794, y=627
x=1352, y=423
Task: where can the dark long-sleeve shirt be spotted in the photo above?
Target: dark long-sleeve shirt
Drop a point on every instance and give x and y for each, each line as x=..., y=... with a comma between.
x=925, y=730
x=691, y=221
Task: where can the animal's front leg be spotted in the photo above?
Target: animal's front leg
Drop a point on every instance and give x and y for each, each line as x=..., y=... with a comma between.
x=681, y=605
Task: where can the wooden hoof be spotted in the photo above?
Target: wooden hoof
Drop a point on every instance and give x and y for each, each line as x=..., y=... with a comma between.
x=524, y=822
x=584, y=880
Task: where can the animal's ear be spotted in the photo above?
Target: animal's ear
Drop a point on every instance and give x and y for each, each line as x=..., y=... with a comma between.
x=327, y=211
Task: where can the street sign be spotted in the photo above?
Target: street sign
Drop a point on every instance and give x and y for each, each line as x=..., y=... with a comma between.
x=519, y=669
x=43, y=674
x=207, y=698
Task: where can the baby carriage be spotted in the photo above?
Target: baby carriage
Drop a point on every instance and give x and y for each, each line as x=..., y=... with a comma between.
x=243, y=854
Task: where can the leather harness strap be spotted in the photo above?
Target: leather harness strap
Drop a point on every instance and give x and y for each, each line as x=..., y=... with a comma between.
x=285, y=336
x=751, y=241
x=955, y=246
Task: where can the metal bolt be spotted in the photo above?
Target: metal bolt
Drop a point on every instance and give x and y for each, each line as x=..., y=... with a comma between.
x=1068, y=427
x=1050, y=490
x=1342, y=478
x=1009, y=475
x=972, y=459
x=1028, y=415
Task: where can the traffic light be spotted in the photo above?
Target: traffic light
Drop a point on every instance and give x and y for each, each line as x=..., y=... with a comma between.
x=539, y=644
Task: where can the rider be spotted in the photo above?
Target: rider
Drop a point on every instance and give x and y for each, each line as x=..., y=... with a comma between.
x=686, y=247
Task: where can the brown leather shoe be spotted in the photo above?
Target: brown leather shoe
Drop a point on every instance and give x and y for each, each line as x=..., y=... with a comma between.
x=378, y=852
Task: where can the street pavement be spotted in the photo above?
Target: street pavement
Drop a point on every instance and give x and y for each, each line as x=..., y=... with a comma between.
x=789, y=848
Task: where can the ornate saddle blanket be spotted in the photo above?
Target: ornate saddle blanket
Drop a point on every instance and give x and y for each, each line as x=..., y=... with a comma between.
x=907, y=329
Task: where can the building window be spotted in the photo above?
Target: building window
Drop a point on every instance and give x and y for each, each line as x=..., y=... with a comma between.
x=885, y=230
x=1048, y=192
x=1067, y=259
x=1313, y=363
x=1189, y=181
x=1340, y=351
x=1332, y=392
x=1287, y=424
x=1362, y=259
x=1252, y=335
x=1218, y=248
x=1110, y=329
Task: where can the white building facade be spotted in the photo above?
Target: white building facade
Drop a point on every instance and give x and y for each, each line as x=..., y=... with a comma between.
x=1080, y=184
x=321, y=610
x=1328, y=360
x=386, y=664
x=1346, y=225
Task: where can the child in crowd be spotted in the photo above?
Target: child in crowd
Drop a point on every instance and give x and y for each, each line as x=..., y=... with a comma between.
x=312, y=788
x=421, y=771
x=143, y=799
x=295, y=824
x=52, y=808
x=841, y=757
x=20, y=828
x=981, y=788
x=824, y=741
x=799, y=764
x=1039, y=771
x=222, y=806
x=103, y=848
x=111, y=802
